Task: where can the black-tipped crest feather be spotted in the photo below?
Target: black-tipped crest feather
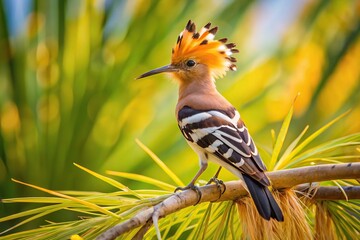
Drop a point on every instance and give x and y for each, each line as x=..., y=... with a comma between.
x=203, y=47
x=196, y=35
x=213, y=30
x=223, y=40
x=230, y=45
x=204, y=42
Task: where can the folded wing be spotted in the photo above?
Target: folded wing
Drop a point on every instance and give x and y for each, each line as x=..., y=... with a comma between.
x=223, y=134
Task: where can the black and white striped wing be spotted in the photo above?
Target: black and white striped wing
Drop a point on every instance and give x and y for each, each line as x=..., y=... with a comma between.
x=223, y=134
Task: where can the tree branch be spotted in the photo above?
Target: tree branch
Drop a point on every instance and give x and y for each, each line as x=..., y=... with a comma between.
x=234, y=190
x=331, y=192
x=292, y=177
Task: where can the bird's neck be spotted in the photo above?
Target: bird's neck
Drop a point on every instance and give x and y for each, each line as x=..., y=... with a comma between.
x=201, y=95
x=198, y=87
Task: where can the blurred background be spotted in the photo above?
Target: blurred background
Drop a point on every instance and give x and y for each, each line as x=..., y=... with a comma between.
x=68, y=94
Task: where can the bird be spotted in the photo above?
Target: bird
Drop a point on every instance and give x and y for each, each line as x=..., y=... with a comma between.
x=210, y=124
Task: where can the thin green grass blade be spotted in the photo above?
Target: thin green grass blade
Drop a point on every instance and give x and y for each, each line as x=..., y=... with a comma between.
x=186, y=222
x=29, y=219
x=206, y=223
x=87, y=213
x=341, y=189
x=336, y=159
x=281, y=138
x=171, y=220
x=291, y=147
x=273, y=137
x=201, y=229
x=215, y=219
x=308, y=140
x=83, y=202
x=161, y=164
x=325, y=148
x=144, y=179
x=233, y=224
x=110, y=181
x=26, y=213
x=227, y=214
x=30, y=234
x=221, y=232
x=48, y=200
x=345, y=215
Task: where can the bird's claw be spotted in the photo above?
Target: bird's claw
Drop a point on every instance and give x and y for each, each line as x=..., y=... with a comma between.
x=219, y=183
x=192, y=187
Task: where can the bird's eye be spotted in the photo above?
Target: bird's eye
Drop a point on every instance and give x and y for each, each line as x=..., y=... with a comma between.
x=190, y=63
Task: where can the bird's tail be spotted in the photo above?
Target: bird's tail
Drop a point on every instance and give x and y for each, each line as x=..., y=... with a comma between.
x=263, y=199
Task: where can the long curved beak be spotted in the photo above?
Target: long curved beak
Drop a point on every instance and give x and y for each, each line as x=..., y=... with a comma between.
x=167, y=68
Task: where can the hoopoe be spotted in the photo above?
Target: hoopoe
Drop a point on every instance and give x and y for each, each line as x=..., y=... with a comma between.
x=210, y=124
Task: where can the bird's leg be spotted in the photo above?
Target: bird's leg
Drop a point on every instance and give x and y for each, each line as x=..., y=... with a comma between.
x=219, y=183
x=191, y=185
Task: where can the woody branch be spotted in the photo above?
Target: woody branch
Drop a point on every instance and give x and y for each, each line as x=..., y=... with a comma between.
x=282, y=179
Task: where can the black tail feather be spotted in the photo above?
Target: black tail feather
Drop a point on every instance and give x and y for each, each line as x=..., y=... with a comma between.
x=276, y=212
x=263, y=199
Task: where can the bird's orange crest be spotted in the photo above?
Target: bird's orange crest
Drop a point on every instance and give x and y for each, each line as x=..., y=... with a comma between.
x=203, y=48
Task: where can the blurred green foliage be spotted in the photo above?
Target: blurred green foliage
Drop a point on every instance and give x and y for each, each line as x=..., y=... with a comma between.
x=68, y=94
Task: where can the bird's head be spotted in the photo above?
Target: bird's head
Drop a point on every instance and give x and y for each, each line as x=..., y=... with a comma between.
x=197, y=55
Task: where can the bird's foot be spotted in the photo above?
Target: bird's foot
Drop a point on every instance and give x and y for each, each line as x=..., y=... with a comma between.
x=192, y=187
x=220, y=185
